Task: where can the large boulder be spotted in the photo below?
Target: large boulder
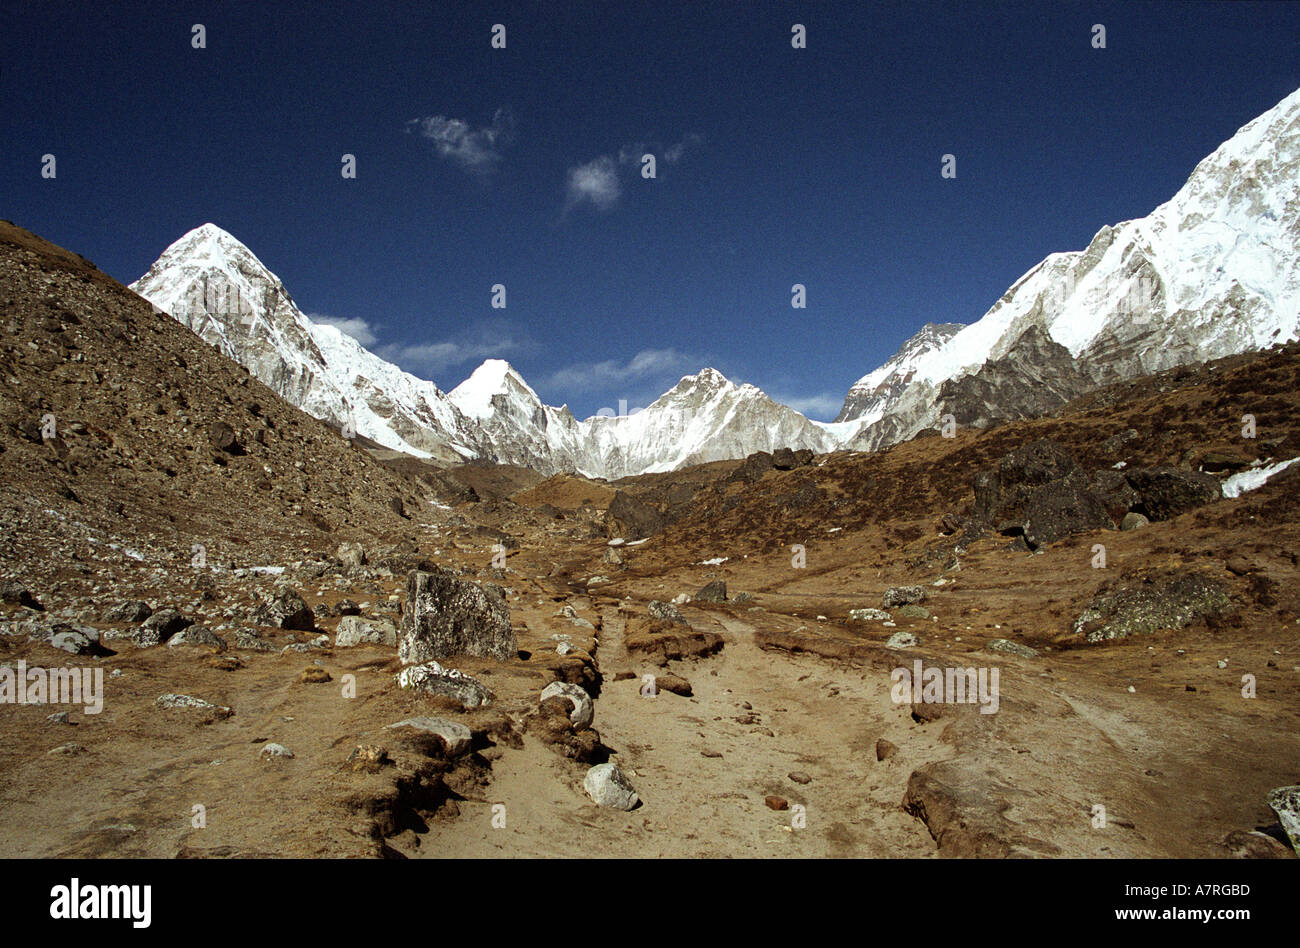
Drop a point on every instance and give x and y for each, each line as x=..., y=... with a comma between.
x=1150, y=603
x=902, y=596
x=446, y=615
x=432, y=679
x=354, y=630
x=1002, y=495
x=1060, y=509
x=787, y=459
x=631, y=518
x=161, y=626
x=285, y=609
x=1166, y=492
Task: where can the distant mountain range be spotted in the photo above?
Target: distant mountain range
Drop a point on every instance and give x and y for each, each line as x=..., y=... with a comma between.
x=1211, y=272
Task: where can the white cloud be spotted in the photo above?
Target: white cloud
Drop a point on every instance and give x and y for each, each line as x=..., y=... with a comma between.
x=669, y=154
x=491, y=340
x=645, y=364
x=596, y=181
x=819, y=407
x=355, y=326
x=475, y=149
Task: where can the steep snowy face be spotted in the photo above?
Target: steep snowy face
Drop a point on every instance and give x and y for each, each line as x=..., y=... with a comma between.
x=1213, y=271
x=215, y=285
x=871, y=394
x=514, y=426
x=704, y=417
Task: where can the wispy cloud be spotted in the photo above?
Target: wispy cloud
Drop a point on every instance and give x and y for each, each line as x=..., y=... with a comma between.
x=821, y=407
x=669, y=154
x=646, y=364
x=356, y=327
x=595, y=182
x=598, y=181
x=490, y=339
x=475, y=149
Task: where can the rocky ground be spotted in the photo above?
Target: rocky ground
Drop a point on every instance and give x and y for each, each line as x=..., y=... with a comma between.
x=277, y=613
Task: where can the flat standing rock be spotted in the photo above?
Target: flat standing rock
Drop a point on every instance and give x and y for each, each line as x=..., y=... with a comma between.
x=456, y=738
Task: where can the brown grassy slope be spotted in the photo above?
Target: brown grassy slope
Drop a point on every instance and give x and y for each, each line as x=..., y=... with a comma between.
x=133, y=394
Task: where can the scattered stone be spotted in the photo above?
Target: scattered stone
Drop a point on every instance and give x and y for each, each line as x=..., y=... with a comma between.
x=715, y=591
x=354, y=630
x=776, y=803
x=1285, y=802
x=914, y=612
x=456, y=738
x=368, y=758
x=711, y=753
x=885, y=749
x=673, y=684
x=432, y=678
x=199, y=635
x=667, y=612
x=607, y=786
x=868, y=615
x=314, y=676
x=799, y=777
x=133, y=611
x=274, y=750
x=190, y=703
x=1133, y=521
x=902, y=596
x=1012, y=648
x=900, y=640
x=59, y=717
x=583, y=711
x=446, y=615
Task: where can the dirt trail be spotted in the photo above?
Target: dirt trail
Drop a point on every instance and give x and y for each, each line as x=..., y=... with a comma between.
x=806, y=717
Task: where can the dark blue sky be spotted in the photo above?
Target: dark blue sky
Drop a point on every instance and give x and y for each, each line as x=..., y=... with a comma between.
x=817, y=166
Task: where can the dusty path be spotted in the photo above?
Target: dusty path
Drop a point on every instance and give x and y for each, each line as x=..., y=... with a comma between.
x=804, y=716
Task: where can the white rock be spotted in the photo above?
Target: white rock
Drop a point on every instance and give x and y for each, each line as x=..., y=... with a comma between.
x=582, y=712
x=607, y=786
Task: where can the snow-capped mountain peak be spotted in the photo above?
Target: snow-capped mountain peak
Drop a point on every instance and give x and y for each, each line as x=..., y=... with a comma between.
x=1213, y=271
